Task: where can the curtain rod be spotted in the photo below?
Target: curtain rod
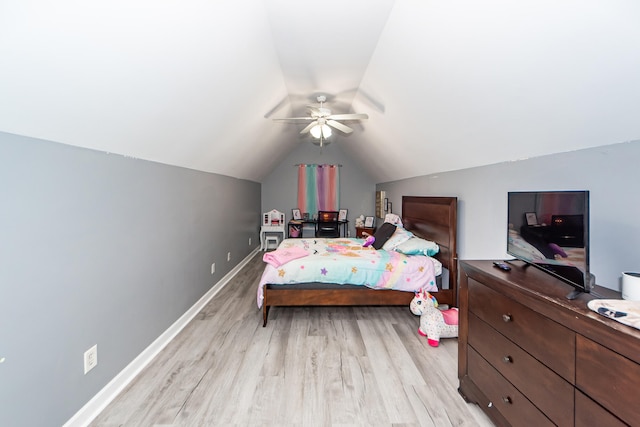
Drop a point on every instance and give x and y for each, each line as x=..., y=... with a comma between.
x=315, y=164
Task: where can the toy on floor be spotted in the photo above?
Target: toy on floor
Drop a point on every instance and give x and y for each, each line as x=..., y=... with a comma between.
x=434, y=323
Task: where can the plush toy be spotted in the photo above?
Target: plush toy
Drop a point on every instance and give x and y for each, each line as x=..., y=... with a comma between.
x=368, y=241
x=434, y=323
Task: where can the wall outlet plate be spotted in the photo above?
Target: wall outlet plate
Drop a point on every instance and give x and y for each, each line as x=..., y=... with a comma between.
x=90, y=358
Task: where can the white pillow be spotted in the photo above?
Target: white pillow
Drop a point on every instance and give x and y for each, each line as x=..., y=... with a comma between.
x=398, y=237
x=418, y=246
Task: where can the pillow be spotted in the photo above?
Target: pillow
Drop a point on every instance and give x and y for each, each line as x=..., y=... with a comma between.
x=383, y=234
x=418, y=246
x=400, y=236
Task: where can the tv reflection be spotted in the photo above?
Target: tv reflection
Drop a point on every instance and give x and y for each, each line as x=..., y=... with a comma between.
x=548, y=229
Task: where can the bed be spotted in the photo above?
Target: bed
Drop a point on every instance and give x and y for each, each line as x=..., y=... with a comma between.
x=429, y=218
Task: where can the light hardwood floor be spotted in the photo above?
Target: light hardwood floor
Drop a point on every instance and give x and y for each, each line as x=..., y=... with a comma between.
x=335, y=366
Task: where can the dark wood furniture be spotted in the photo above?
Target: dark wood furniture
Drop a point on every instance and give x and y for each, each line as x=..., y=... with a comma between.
x=327, y=224
x=360, y=231
x=529, y=356
x=432, y=218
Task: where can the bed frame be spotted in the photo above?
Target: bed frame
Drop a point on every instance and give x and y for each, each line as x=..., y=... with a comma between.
x=432, y=218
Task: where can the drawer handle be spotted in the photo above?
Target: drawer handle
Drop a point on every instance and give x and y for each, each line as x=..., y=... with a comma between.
x=507, y=359
x=507, y=400
x=507, y=318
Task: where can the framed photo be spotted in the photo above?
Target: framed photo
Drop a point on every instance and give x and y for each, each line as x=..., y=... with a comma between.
x=532, y=219
x=296, y=214
x=342, y=215
x=380, y=205
x=368, y=221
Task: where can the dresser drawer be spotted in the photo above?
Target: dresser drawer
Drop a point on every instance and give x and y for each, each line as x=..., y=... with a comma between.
x=515, y=408
x=543, y=387
x=589, y=413
x=546, y=340
x=608, y=378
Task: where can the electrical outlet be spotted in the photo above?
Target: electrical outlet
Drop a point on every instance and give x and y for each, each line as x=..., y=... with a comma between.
x=228, y=256
x=213, y=268
x=90, y=358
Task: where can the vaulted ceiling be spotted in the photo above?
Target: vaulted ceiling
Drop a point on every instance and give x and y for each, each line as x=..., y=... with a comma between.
x=446, y=84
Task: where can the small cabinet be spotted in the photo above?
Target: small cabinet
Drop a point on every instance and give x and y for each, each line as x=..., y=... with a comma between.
x=361, y=230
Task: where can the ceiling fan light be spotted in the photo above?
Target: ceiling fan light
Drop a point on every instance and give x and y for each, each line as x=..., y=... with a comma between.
x=316, y=131
x=320, y=130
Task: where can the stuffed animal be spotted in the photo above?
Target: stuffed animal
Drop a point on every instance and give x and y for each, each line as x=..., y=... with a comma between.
x=434, y=323
x=368, y=241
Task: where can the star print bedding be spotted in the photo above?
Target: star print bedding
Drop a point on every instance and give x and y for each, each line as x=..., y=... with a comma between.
x=346, y=261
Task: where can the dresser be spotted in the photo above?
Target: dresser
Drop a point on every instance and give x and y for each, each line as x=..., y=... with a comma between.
x=529, y=356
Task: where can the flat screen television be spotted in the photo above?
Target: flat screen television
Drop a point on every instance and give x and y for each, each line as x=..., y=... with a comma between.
x=550, y=230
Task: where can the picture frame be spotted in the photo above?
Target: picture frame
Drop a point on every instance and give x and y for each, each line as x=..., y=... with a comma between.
x=368, y=221
x=342, y=214
x=532, y=218
x=296, y=214
x=380, y=204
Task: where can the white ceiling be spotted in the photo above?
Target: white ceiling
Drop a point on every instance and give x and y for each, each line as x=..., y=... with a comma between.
x=447, y=84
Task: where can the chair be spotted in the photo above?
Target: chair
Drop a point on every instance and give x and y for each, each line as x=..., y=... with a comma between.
x=271, y=239
x=272, y=222
x=327, y=224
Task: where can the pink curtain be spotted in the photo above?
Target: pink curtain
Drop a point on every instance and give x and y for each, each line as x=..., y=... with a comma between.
x=318, y=188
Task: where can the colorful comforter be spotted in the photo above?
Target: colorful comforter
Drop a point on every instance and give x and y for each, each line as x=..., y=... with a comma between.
x=345, y=261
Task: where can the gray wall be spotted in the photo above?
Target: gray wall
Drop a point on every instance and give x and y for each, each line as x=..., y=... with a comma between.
x=357, y=189
x=101, y=249
x=611, y=174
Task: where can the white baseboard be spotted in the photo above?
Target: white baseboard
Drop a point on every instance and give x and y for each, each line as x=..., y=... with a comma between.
x=109, y=392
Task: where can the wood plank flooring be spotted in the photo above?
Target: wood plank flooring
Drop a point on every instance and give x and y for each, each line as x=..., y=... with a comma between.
x=324, y=366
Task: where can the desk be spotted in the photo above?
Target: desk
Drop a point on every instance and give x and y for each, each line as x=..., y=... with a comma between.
x=296, y=227
x=269, y=229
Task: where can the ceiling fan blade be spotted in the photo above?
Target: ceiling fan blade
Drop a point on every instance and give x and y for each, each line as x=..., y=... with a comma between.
x=339, y=126
x=309, y=126
x=294, y=118
x=319, y=111
x=354, y=116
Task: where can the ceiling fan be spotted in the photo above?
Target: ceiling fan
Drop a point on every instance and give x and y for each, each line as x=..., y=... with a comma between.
x=321, y=121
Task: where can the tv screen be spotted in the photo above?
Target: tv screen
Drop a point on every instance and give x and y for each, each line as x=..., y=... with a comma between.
x=550, y=230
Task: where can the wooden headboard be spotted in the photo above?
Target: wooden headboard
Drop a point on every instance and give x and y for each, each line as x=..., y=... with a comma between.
x=436, y=219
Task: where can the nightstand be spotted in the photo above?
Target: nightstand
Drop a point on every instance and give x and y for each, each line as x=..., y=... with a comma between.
x=368, y=230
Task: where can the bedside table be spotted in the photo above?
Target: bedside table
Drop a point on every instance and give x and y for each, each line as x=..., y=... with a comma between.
x=368, y=230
